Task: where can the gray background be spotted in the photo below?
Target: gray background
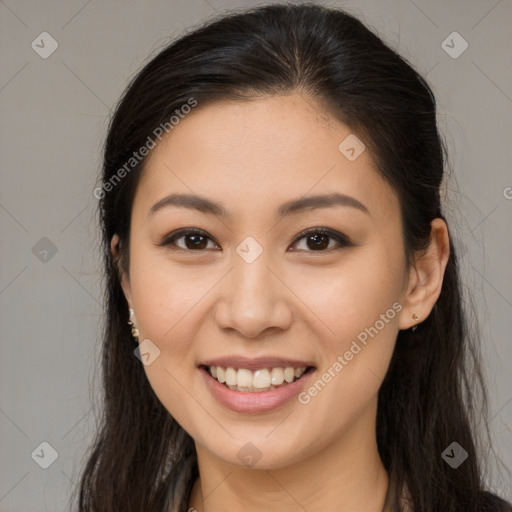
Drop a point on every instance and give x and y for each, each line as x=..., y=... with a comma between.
x=54, y=115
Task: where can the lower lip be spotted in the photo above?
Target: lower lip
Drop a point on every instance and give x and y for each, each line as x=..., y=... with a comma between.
x=257, y=401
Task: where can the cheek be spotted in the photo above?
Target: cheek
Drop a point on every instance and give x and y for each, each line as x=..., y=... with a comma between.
x=353, y=295
x=167, y=301
x=356, y=308
x=165, y=295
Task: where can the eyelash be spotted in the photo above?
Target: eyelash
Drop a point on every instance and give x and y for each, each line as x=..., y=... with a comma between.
x=342, y=240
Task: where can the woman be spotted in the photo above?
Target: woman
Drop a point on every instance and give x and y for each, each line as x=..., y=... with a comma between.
x=284, y=325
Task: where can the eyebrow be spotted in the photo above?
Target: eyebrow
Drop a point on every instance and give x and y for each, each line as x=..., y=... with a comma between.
x=209, y=207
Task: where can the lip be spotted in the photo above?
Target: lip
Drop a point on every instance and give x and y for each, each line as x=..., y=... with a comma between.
x=256, y=402
x=256, y=363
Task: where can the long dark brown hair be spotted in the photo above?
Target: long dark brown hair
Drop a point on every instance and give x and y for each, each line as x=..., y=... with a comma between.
x=433, y=393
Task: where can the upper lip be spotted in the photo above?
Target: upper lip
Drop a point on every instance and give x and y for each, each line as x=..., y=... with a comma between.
x=255, y=363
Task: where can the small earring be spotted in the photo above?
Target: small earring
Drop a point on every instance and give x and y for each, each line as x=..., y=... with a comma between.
x=135, y=331
x=415, y=318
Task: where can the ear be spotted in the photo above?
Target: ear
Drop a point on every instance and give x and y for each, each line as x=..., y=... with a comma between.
x=123, y=277
x=426, y=277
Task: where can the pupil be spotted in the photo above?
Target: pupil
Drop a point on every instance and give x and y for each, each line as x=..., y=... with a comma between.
x=319, y=243
x=195, y=239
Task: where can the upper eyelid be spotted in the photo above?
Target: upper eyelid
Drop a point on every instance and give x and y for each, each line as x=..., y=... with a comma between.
x=333, y=233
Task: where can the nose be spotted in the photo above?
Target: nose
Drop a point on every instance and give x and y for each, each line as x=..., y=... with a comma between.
x=253, y=299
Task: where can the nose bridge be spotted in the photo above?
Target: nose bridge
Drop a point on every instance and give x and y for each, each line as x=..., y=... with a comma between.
x=250, y=261
x=252, y=275
x=252, y=281
x=252, y=298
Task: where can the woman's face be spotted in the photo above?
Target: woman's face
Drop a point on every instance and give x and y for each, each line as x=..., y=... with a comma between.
x=249, y=287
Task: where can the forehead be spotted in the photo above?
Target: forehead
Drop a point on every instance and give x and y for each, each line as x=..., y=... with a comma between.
x=254, y=154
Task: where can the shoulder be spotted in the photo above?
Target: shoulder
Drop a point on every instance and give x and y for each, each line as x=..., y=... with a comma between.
x=492, y=503
x=487, y=502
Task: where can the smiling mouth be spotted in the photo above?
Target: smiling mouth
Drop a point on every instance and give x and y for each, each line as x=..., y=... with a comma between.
x=263, y=379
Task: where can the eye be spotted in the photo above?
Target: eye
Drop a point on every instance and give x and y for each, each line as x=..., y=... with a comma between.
x=194, y=239
x=317, y=239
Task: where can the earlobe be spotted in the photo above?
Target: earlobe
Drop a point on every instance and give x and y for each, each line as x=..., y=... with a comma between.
x=426, y=277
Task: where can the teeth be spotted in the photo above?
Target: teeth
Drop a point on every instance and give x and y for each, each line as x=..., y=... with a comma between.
x=261, y=379
x=289, y=374
x=277, y=376
x=264, y=379
x=230, y=377
x=244, y=378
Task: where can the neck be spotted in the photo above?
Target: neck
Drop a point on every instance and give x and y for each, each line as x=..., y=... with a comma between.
x=346, y=475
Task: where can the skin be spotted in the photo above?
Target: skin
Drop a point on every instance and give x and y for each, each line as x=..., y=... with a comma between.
x=309, y=304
